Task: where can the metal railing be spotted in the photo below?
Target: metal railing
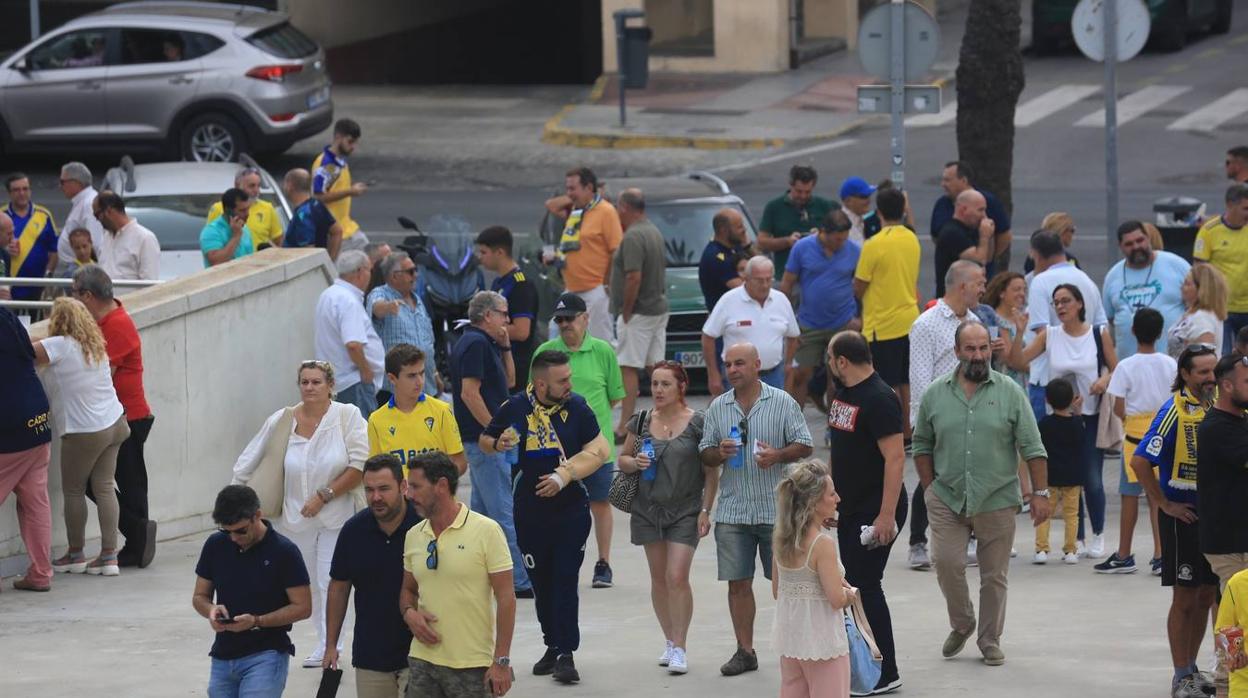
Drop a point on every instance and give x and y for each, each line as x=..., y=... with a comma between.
x=11, y=281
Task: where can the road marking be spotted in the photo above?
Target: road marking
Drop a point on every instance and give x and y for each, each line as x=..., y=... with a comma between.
x=1051, y=102
x=785, y=156
x=1214, y=114
x=1136, y=104
x=948, y=112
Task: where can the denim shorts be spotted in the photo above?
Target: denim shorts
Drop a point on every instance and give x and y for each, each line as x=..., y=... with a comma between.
x=735, y=545
x=599, y=484
x=1127, y=488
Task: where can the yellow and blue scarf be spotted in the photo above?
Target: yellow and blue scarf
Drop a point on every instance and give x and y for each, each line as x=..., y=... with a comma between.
x=541, y=439
x=570, y=240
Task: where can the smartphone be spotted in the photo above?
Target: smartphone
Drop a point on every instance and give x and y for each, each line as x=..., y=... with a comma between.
x=227, y=620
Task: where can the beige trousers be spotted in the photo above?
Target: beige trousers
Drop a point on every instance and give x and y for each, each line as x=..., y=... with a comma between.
x=380, y=684
x=92, y=458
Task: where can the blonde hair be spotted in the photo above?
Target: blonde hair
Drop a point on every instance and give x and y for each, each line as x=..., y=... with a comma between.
x=1211, y=289
x=322, y=366
x=1154, y=237
x=796, y=498
x=1057, y=222
x=70, y=318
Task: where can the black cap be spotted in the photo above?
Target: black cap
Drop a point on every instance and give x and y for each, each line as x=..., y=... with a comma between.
x=569, y=305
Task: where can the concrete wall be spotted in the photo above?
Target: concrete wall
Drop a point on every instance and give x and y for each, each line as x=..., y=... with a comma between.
x=220, y=351
x=751, y=36
x=832, y=18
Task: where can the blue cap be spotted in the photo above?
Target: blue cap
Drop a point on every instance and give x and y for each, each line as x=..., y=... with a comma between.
x=856, y=186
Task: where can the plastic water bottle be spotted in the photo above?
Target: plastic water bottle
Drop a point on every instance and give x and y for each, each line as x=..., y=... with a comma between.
x=652, y=472
x=737, y=461
x=512, y=455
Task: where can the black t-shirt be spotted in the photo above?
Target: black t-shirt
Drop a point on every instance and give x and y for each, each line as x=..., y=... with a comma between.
x=1063, y=441
x=24, y=410
x=1222, y=477
x=860, y=416
x=717, y=267
x=954, y=239
x=476, y=355
x=521, y=297
x=252, y=581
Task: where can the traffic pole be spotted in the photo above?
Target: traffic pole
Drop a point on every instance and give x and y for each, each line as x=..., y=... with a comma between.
x=1111, y=126
x=897, y=88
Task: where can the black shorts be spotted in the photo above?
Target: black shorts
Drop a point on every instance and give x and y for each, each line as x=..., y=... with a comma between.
x=1182, y=563
x=892, y=360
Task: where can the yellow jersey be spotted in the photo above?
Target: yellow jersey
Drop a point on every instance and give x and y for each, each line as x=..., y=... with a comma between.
x=1227, y=249
x=430, y=426
x=1233, y=611
x=331, y=174
x=262, y=221
x=889, y=264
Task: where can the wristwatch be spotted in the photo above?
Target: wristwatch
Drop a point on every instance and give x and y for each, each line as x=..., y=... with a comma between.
x=1040, y=493
x=503, y=661
x=326, y=494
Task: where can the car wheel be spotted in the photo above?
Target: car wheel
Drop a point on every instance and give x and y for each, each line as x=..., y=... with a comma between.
x=212, y=138
x=1222, y=17
x=1170, y=29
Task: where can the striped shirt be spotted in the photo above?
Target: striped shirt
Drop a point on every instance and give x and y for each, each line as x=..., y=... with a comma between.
x=411, y=325
x=747, y=495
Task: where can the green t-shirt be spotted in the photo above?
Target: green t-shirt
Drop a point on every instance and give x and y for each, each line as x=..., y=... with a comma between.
x=781, y=219
x=595, y=377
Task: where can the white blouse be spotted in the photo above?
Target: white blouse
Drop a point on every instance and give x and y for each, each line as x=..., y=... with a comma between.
x=339, y=442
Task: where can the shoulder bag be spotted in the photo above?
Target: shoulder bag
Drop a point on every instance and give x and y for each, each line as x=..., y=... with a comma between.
x=865, y=660
x=269, y=478
x=624, y=485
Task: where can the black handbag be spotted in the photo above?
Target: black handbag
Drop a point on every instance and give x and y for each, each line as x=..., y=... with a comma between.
x=624, y=485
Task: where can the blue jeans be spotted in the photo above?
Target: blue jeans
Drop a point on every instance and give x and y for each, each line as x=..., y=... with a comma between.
x=774, y=377
x=490, y=475
x=1231, y=327
x=362, y=395
x=1035, y=394
x=260, y=675
x=1094, y=486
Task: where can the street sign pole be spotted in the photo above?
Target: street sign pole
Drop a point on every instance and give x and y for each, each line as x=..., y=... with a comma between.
x=1111, y=126
x=34, y=19
x=897, y=85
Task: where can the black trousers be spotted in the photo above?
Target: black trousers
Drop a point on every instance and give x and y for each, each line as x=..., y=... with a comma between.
x=553, y=546
x=132, y=483
x=865, y=569
x=918, y=523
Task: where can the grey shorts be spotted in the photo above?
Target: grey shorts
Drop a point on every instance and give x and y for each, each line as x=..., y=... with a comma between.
x=735, y=546
x=653, y=525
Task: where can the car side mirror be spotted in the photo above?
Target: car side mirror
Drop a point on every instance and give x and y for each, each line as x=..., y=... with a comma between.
x=22, y=65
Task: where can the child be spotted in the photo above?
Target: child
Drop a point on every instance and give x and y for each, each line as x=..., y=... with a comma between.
x=1062, y=435
x=1233, y=612
x=80, y=241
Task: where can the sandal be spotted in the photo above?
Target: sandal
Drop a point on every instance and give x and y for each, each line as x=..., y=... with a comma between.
x=105, y=565
x=70, y=563
x=29, y=586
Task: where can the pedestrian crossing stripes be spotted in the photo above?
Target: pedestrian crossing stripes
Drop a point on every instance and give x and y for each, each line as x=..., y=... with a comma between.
x=1200, y=115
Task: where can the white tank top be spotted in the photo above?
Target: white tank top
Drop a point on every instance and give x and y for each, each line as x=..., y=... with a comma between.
x=1074, y=358
x=806, y=626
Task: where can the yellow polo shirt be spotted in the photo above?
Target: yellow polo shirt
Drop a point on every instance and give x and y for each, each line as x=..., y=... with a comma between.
x=430, y=426
x=889, y=263
x=1234, y=611
x=458, y=592
x=262, y=221
x=1227, y=249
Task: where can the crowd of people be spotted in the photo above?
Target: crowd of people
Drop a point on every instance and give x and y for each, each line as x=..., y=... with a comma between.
x=1008, y=390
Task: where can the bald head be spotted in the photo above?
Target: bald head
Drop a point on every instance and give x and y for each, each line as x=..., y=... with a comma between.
x=729, y=227
x=742, y=365
x=6, y=229
x=970, y=207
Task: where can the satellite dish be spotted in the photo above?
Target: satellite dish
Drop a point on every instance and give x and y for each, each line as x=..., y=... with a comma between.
x=1088, y=28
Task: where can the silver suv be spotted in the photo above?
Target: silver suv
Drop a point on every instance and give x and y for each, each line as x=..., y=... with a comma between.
x=191, y=80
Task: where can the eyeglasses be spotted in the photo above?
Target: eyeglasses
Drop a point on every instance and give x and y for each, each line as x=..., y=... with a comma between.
x=431, y=562
x=1059, y=302
x=236, y=531
x=411, y=271
x=74, y=291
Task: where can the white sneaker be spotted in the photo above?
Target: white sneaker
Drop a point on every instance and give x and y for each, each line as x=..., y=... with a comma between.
x=1013, y=551
x=1071, y=558
x=313, y=661
x=666, y=657
x=919, y=559
x=1039, y=558
x=678, y=664
x=972, y=558
x=1080, y=549
x=1096, y=549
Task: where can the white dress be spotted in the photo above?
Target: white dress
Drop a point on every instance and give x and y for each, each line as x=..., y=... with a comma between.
x=806, y=626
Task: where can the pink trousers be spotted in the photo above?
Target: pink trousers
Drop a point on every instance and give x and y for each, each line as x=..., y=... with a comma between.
x=25, y=474
x=825, y=678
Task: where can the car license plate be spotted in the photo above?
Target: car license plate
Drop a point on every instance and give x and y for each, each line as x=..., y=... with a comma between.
x=318, y=98
x=691, y=359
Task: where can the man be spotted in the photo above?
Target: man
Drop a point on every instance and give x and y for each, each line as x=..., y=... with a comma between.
x=251, y=584
x=94, y=288
x=967, y=235
x=399, y=317
x=345, y=336
x=482, y=367
x=973, y=425
x=76, y=186
x=638, y=298
x=8, y=247
x=591, y=234
x=1053, y=270
x=933, y=353
x=1237, y=164
x=1143, y=278
x=868, y=460
x=757, y=314
x=856, y=202
x=331, y=182
x=1222, y=242
x=717, y=270
x=127, y=250
x=560, y=444
x=886, y=281
x=411, y=422
x=773, y=434
x=368, y=557
x=956, y=179
x=311, y=224
x=596, y=377
x=228, y=237
x=789, y=217
x=376, y=251
x=1172, y=445
x=456, y=597
x=262, y=221
x=34, y=235
x=494, y=251
x=823, y=265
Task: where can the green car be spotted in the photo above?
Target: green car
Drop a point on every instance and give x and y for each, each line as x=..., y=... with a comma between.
x=682, y=208
x=1173, y=20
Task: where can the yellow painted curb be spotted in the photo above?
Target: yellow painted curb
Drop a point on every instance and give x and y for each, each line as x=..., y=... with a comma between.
x=600, y=86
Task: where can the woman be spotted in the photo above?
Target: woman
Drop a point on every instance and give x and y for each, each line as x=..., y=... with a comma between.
x=1204, y=294
x=672, y=508
x=808, y=583
x=1071, y=349
x=325, y=452
x=1063, y=224
x=25, y=450
x=1007, y=296
x=94, y=429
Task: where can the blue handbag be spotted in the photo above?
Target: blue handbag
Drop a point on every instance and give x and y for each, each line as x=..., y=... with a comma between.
x=864, y=655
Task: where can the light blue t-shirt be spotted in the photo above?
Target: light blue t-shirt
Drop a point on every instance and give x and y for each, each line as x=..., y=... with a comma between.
x=827, y=283
x=217, y=234
x=1156, y=286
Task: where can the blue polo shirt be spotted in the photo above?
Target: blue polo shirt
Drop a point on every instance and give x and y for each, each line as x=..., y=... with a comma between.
x=575, y=426
x=252, y=581
x=942, y=212
x=476, y=355
x=373, y=563
x=829, y=279
x=717, y=267
x=217, y=234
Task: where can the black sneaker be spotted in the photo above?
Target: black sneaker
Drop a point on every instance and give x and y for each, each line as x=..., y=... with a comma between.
x=740, y=663
x=602, y=575
x=546, y=665
x=1116, y=565
x=149, y=544
x=565, y=669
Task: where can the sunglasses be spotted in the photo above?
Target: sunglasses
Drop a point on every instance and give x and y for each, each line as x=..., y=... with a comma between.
x=431, y=562
x=562, y=320
x=236, y=531
x=744, y=428
x=315, y=363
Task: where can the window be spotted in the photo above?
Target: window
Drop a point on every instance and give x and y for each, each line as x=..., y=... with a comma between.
x=80, y=49
x=284, y=41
